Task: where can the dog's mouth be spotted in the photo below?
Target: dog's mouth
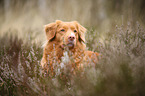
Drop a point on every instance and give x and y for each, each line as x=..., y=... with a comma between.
x=70, y=45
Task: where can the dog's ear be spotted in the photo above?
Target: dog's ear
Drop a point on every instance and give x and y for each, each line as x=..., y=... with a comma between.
x=82, y=30
x=50, y=30
x=58, y=22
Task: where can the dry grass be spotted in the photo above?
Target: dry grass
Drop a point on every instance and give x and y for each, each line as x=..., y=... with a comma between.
x=120, y=72
x=112, y=31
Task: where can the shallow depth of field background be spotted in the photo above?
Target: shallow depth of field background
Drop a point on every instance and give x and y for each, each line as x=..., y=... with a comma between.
x=116, y=29
x=29, y=15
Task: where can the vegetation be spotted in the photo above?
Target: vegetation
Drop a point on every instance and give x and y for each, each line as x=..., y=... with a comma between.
x=121, y=68
x=115, y=29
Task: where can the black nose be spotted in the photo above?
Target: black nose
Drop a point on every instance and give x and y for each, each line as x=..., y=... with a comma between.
x=71, y=38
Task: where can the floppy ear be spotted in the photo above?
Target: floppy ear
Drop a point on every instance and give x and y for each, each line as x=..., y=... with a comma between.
x=82, y=30
x=58, y=22
x=50, y=30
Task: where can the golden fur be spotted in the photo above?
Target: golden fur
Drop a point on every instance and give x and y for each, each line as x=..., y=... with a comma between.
x=64, y=36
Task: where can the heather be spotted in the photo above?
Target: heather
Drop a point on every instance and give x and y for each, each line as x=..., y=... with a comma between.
x=118, y=35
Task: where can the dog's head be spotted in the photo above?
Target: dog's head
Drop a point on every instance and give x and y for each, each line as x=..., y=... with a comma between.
x=65, y=33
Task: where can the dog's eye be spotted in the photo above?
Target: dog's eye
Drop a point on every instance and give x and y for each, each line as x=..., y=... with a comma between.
x=75, y=30
x=62, y=30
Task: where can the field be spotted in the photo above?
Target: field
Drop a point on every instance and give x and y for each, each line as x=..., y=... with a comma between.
x=121, y=67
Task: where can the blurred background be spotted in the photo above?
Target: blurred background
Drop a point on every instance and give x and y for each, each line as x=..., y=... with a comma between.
x=29, y=16
x=116, y=30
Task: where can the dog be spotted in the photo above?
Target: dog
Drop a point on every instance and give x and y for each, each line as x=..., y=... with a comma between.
x=66, y=36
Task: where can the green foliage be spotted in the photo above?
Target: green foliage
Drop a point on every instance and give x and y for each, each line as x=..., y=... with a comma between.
x=120, y=71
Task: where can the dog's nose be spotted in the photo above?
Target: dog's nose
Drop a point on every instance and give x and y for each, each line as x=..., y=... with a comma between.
x=71, y=37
